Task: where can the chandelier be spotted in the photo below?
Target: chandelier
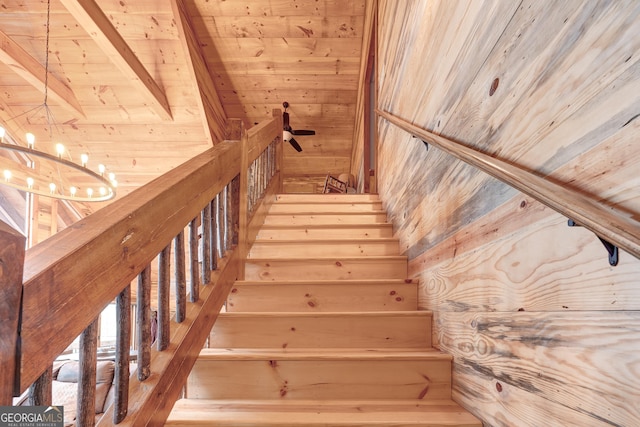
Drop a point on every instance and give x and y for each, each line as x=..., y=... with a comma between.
x=25, y=168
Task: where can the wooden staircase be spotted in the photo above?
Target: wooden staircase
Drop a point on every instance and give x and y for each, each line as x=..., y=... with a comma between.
x=323, y=331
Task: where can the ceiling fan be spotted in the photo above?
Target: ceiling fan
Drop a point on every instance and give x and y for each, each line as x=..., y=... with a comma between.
x=288, y=132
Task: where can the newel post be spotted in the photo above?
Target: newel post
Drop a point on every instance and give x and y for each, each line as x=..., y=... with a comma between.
x=277, y=115
x=243, y=219
x=12, y=245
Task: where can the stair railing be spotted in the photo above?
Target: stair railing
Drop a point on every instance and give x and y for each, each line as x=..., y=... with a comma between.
x=605, y=222
x=218, y=197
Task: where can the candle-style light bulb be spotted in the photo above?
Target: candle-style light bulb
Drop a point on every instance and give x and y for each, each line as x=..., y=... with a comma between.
x=84, y=159
x=114, y=183
x=29, y=183
x=2, y=133
x=103, y=191
x=73, y=191
x=60, y=150
x=101, y=168
x=112, y=176
x=31, y=140
x=89, y=192
x=52, y=188
x=7, y=175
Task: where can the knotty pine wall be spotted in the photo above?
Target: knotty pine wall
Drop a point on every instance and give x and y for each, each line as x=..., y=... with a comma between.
x=543, y=331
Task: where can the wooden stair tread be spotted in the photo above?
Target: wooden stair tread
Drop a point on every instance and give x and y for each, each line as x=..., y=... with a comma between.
x=326, y=198
x=322, y=354
x=329, y=258
x=307, y=232
x=331, y=226
x=283, y=413
x=356, y=314
x=344, y=282
x=324, y=295
x=337, y=240
x=325, y=207
x=279, y=248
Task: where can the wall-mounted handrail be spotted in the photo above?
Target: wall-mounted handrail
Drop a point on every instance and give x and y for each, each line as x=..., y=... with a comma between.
x=69, y=278
x=604, y=221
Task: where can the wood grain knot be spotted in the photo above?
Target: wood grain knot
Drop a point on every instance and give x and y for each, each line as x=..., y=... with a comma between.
x=499, y=387
x=494, y=86
x=338, y=263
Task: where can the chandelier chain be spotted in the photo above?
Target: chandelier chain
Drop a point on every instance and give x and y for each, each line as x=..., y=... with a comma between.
x=46, y=54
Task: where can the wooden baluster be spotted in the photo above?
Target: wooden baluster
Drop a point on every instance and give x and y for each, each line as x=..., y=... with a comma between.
x=226, y=219
x=206, y=244
x=12, y=245
x=164, y=283
x=250, y=189
x=144, y=323
x=265, y=170
x=262, y=173
x=194, y=283
x=86, y=403
x=40, y=392
x=269, y=162
x=180, y=277
x=272, y=147
x=123, y=345
x=215, y=247
x=235, y=209
x=259, y=176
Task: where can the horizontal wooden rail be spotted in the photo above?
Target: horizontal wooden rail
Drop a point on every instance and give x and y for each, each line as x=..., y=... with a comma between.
x=604, y=221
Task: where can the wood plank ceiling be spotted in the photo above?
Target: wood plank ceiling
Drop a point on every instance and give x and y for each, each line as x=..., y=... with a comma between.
x=122, y=86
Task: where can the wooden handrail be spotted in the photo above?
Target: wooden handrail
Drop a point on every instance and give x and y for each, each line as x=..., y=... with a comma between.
x=72, y=276
x=605, y=222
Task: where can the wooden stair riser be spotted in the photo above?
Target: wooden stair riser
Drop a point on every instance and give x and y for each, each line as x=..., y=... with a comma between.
x=320, y=379
x=326, y=269
x=331, y=231
x=317, y=297
x=327, y=198
x=322, y=330
x=315, y=208
x=327, y=248
x=292, y=413
x=325, y=219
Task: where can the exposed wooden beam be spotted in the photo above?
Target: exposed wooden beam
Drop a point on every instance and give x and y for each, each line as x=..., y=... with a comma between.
x=208, y=100
x=27, y=67
x=99, y=27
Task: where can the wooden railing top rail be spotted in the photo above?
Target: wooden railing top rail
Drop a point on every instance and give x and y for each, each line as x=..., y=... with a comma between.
x=604, y=221
x=70, y=277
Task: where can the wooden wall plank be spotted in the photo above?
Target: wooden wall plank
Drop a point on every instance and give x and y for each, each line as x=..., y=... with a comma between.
x=325, y=47
x=99, y=27
x=520, y=298
x=521, y=350
x=283, y=8
x=280, y=26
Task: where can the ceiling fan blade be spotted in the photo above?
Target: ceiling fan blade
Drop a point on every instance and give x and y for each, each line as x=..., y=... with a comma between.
x=295, y=145
x=303, y=132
